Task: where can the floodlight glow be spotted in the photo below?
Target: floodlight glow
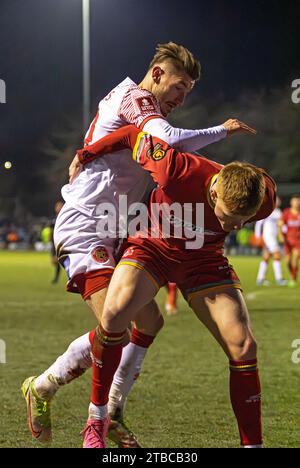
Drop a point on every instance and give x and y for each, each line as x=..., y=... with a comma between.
x=8, y=165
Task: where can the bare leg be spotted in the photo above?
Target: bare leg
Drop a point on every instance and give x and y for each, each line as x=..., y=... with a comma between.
x=225, y=314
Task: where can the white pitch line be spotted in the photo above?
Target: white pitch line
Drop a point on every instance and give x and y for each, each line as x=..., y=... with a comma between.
x=251, y=296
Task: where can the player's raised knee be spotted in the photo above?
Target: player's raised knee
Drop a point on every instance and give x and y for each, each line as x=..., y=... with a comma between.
x=116, y=318
x=243, y=349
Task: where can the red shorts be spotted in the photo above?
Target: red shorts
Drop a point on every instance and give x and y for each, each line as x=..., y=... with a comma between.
x=290, y=245
x=90, y=282
x=197, y=276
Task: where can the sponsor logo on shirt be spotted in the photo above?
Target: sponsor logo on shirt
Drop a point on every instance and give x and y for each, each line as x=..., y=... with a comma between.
x=294, y=222
x=193, y=227
x=146, y=104
x=100, y=255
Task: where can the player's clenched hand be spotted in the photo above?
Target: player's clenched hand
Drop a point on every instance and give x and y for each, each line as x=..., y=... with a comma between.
x=236, y=126
x=74, y=169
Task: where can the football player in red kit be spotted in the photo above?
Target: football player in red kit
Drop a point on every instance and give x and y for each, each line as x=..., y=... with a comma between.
x=231, y=195
x=290, y=223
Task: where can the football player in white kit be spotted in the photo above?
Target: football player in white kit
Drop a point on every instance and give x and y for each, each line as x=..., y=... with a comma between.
x=88, y=255
x=268, y=230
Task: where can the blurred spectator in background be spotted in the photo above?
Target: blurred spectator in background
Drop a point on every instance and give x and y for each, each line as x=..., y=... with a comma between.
x=34, y=235
x=12, y=238
x=46, y=234
x=243, y=240
x=231, y=246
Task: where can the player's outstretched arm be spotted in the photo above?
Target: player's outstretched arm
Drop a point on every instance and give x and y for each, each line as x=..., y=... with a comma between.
x=234, y=126
x=191, y=140
x=183, y=140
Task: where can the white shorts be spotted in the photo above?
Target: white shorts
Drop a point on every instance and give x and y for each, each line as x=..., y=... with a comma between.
x=271, y=244
x=79, y=248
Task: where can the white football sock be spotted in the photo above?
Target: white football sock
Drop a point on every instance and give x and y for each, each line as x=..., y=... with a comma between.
x=73, y=363
x=97, y=412
x=262, y=270
x=277, y=269
x=125, y=376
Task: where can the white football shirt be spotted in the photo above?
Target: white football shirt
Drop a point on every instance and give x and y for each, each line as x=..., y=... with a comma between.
x=115, y=174
x=269, y=227
x=105, y=179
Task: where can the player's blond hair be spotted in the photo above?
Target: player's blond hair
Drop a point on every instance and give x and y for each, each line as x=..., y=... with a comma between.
x=242, y=188
x=179, y=56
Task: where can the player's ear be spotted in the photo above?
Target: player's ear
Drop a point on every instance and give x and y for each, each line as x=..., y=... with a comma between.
x=157, y=72
x=214, y=194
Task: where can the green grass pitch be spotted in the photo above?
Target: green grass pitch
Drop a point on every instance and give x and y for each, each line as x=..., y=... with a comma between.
x=181, y=399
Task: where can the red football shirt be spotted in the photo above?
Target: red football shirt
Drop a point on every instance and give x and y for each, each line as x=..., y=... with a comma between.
x=182, y=179
x=292, y=223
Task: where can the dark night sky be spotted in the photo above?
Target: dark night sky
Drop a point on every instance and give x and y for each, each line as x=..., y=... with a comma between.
x=241, y=45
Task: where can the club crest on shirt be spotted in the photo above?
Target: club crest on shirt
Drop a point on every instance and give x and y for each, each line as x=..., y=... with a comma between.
x=100, y=255
x=156, y=153
x=146, y=104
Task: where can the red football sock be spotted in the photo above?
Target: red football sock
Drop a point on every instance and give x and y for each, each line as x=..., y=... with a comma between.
x=141, y=339
x=106, y=353
x=246, y=400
